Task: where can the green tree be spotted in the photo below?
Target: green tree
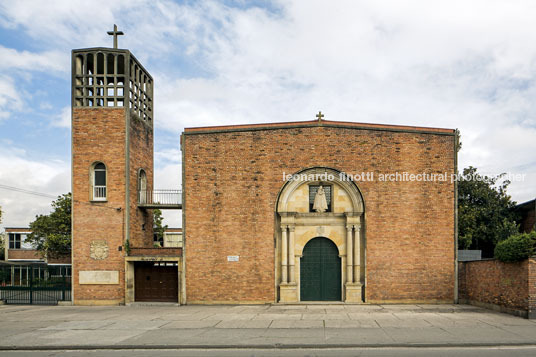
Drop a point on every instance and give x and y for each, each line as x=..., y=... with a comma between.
x=516, y=248
x=51, y=234
x=158, y=228
x=3, y=240
x=485, y=211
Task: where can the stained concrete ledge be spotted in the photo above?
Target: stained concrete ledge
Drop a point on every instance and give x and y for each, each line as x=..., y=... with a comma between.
x=275, y=346
x=499, y=308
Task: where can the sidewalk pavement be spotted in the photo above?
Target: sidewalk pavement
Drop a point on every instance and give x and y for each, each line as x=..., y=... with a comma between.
x=259, y=326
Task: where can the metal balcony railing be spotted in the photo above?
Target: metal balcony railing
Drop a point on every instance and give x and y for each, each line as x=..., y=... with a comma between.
x=163, y=199
x=99, y=193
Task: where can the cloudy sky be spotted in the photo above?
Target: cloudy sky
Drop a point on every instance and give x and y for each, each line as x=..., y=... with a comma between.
x=456, y=64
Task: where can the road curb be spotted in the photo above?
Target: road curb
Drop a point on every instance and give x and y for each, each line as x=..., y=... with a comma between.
x=275, y=346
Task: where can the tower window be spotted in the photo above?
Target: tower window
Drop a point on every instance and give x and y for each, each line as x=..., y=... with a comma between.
x=142, y=186
x=99, y=182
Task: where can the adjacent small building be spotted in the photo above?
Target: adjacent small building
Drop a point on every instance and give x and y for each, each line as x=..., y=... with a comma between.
x=19, y=250
x=527, y=216
x=172, y=238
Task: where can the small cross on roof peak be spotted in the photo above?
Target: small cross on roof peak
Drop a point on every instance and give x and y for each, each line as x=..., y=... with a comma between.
x=115, y=33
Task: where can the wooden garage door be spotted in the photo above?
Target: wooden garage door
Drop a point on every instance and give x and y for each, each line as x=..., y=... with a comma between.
x=320, y=271
x=156, y=281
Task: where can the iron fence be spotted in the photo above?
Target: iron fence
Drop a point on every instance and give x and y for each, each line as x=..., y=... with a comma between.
x=35, y=283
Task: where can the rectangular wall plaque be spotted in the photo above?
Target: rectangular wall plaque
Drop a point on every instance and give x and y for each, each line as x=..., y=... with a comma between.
x=98, y=277
x=233, y=258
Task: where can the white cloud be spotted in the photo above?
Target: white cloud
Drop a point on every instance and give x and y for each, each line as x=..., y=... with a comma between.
x=45, y=106
x=168, y=155
x=169, y=177
x=457, y=64
x=50, y=177
x=29, y=61
x=466, y=65
x=10, y=99
x=63, y=120
x=58, y=20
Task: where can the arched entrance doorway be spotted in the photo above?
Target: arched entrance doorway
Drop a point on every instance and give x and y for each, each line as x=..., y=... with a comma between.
x=320, y=271
x=317, y=205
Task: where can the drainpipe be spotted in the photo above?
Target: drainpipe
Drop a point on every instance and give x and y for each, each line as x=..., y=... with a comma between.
x=456, y=149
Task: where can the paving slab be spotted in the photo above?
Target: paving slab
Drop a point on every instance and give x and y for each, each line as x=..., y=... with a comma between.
x=191, y=324
x=69, y=337
x=244, y=324
x=297, y=324
x=161, y=337
x=429, y=335
x=522, y=331
x=487, y=335
x=296, y=333
x=136, y=325
x=326, y=316
x=230, y=317
x=278, y=317
x=361, y=336
x=343, y=324
x=403, y=322
x=79, y=325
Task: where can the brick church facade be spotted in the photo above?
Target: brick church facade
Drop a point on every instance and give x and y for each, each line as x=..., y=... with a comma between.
x=395, y=239
x=272, y=213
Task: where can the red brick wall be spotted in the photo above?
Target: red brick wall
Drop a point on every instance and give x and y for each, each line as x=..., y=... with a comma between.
x=497, y=283
x=141, y=157
x=231, y=183
x=98, y=135
x=60, y=260
x=532, y=288
x=23, y=254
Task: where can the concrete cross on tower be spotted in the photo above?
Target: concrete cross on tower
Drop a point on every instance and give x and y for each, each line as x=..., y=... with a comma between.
x=115, y=33
x=320, y=116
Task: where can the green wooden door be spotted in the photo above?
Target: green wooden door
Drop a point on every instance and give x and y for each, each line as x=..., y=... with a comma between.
x=320, y=271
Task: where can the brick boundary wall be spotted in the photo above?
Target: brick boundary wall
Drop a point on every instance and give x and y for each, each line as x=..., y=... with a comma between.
x=532, y=288
x=504, y=287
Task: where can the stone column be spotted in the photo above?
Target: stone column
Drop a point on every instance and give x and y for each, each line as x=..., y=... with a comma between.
x=291, y=257
x=357, y=253
x=349, y=254
x=284, y=254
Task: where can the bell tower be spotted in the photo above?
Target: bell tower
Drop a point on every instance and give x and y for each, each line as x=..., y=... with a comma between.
x=112, y=160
